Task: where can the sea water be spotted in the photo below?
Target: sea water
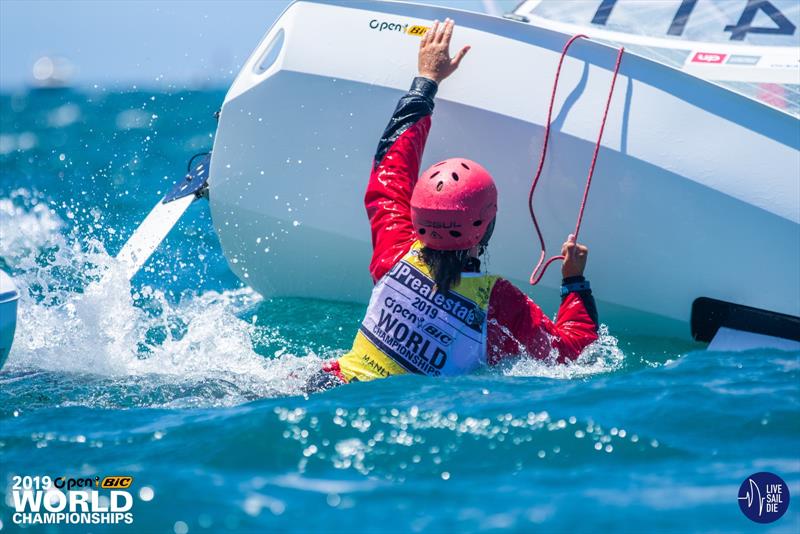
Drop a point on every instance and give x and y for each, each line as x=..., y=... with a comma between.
x=192, y=384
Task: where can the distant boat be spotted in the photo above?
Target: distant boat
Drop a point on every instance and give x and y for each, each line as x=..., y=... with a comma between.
x=52, y=72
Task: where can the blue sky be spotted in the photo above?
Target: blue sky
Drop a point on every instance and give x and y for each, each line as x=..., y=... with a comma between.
x=143, y=42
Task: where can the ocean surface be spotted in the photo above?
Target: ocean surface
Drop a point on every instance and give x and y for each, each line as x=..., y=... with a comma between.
x=191, y=383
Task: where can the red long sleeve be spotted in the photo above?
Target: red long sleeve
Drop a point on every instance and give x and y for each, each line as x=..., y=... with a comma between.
x=388, y=198
x=517, y=326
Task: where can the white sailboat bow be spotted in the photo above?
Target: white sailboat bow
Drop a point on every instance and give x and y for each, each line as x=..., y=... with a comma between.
x=696, y=192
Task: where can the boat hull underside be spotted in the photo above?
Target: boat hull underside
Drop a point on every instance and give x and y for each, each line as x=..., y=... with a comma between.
x=290, y=168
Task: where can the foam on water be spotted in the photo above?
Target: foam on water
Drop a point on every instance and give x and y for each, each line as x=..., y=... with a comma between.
x=602, y=356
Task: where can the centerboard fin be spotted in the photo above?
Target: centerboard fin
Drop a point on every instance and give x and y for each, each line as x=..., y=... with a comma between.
x=165, y=215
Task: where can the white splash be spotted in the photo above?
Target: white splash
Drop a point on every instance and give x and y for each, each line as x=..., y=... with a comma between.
x=79, y=314
x=602, y=356
x=25, y=231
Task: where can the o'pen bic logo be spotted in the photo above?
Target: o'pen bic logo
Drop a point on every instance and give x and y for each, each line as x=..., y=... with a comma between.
x=764, y=497
x=400, y=27
x=116, y=482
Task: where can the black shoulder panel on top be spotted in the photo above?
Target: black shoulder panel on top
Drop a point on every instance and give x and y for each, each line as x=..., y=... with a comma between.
x=417, y=103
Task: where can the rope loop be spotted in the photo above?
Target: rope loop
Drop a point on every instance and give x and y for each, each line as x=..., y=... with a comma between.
x=542, y=265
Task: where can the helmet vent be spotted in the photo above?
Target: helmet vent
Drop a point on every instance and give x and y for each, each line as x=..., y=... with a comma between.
x=455, y=177
x=421, y=231
x=455, y=233
x=465, y=165
x=477, y=223
x=440, y=163
x=432, y=176
x=439, y=185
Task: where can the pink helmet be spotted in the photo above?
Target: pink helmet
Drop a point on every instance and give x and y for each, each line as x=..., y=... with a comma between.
x=453, y=204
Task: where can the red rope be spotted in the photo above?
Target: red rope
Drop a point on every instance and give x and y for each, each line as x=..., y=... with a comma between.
x=542, y=265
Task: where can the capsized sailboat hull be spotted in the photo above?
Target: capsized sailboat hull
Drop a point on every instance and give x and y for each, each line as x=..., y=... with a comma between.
x=695, y=193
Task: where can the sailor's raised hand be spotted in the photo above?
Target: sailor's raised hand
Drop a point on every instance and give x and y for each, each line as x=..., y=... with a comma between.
x=435, y=62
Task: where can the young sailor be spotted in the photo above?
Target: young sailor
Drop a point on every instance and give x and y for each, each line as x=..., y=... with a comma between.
x=432, y=311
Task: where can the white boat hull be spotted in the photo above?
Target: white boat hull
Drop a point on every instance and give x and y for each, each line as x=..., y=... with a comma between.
x=9, y=295
x=696, y=192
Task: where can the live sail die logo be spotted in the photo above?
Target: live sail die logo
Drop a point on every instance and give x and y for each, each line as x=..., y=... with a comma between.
x=45, y=500
x=764, y=497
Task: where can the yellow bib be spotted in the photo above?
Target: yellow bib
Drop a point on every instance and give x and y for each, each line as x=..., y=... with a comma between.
x=411, y=328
